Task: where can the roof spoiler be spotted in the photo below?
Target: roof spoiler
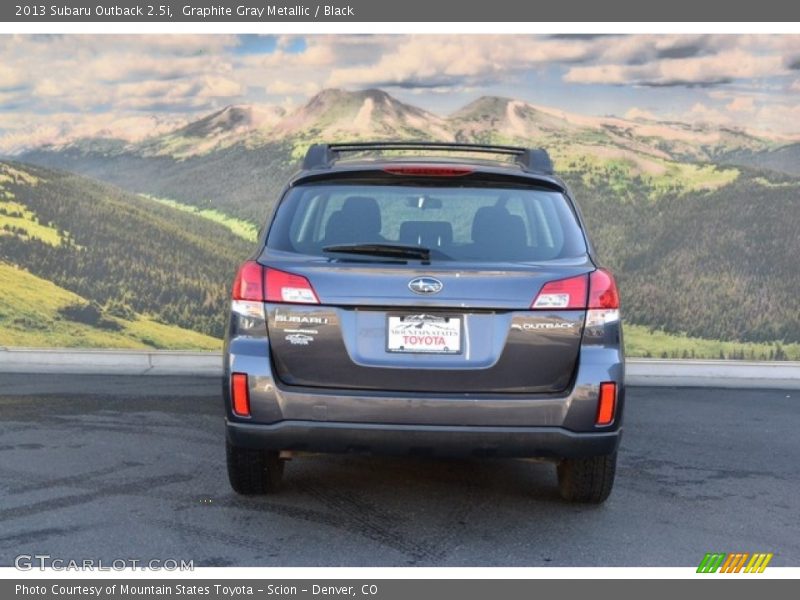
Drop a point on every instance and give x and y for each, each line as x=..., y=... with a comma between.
x=322, y=156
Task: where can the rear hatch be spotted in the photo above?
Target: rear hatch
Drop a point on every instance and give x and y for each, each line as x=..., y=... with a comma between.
x=353, y=306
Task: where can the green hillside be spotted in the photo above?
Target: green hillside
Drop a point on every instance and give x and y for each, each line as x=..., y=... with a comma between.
x=641, y=341
x=126, y=254
x=718, y=264
x=240, y=227
x=240, y=181
x=785, y=159
x=33, y=313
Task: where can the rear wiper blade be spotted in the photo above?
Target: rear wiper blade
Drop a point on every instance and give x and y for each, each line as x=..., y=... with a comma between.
x=388, y=250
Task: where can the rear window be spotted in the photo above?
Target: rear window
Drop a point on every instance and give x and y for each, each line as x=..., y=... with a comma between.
x=460, y=224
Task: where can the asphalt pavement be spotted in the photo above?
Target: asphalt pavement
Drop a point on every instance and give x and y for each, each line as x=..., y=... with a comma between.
x=134, y=468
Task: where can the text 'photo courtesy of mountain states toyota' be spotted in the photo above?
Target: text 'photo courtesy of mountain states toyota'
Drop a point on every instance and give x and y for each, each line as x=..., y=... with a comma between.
x=428, y=299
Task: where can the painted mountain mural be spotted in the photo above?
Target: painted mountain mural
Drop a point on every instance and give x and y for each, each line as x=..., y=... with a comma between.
x=699, y=222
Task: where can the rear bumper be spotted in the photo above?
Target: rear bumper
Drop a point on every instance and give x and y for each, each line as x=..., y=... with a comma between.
x=385, y=422
x=272, y=402
x=423, y=440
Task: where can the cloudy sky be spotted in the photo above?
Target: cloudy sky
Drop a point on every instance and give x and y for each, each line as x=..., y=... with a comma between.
x=53, y=86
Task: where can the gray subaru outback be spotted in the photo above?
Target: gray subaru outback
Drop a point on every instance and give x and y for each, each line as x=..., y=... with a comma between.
x=425, y=299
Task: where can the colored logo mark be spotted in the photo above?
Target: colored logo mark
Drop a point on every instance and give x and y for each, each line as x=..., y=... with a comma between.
x=736, y=562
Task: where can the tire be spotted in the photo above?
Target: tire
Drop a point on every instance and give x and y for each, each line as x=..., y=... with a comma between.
x=253, y=472
x=587, y=480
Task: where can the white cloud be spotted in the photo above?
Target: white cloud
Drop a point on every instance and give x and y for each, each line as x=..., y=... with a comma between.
x=640, y=49
x=781, y=118
x=217, y=86
x=777, y=118
x=741, y=104
x=47, y=88
x=187, y=93
x=699, y=70
x=24, y=130
x=292, y=88
x=603, y=74
x=129, y=76
x=97, y=75
x=124, y=66
x=702, y=113
x=635, y=113
x=423, y=61
x=313, y=56
x=703, y=110
x=10, y=77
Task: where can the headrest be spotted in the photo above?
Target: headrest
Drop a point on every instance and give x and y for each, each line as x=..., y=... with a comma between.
x=366, y=210
x=426, y=233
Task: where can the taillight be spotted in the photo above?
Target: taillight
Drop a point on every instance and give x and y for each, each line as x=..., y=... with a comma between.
x=563, y=294
x=602, y=290
x=603, y=301
x=287, y=287
x=249, y=282
x=606, y=403
x=429, y=171
x=259, y=284
x=597, y=291
x=240, y=395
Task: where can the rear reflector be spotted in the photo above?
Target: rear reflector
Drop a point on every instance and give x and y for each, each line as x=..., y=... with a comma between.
x=240, y=395
x=607, y=403
x=562, y=294
x=429, y=171
x=287, y=287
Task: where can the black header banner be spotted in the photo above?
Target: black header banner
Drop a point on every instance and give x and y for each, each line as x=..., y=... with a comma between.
x=355, y=11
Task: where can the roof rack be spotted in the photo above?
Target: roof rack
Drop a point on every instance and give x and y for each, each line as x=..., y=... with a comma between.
x=322, y=156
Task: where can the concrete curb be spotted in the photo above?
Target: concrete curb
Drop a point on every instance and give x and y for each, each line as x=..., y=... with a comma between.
x=110, y=362
x=712, y=373
x=639, y=371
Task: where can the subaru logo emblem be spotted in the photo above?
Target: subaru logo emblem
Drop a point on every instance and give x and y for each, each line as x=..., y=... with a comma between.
x=425, y=285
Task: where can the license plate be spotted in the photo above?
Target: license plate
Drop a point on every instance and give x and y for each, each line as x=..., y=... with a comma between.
x=424, y=334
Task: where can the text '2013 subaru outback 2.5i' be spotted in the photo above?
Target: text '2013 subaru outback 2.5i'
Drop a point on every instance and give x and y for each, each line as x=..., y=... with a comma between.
x=414, y=299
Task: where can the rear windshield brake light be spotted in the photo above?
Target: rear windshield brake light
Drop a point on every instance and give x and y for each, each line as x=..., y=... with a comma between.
x=429, y=171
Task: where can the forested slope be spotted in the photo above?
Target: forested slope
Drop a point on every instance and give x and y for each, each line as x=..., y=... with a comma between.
x=117, y=249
